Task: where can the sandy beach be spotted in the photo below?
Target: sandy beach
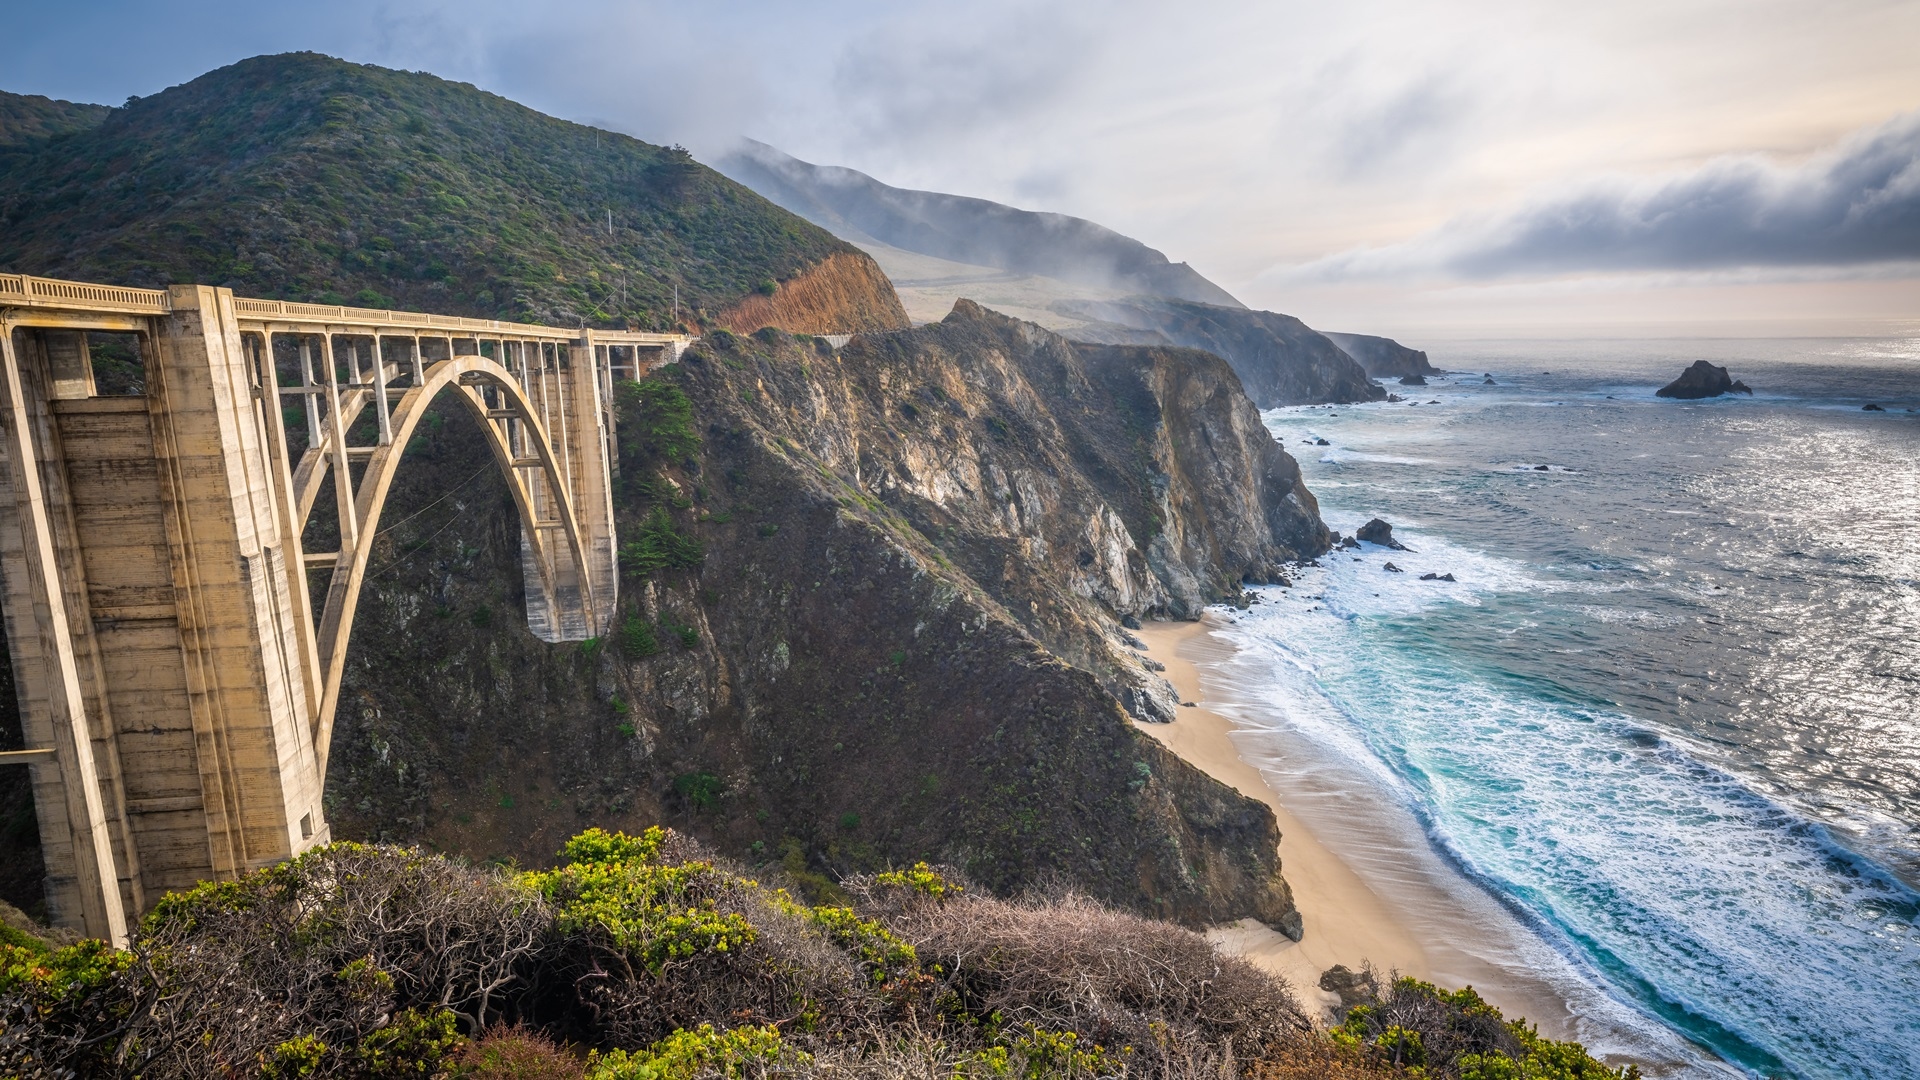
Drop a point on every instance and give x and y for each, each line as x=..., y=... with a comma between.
x=1346, y=922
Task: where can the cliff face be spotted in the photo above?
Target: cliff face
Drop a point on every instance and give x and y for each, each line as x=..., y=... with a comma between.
x=844, y=294
x=1279, y=359
x=901, y=642
x=1384, y=358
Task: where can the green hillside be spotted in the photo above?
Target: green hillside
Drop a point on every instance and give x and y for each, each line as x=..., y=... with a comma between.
x=29, y=122
x=308, y=178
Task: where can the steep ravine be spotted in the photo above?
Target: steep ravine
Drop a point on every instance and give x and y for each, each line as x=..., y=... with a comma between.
x=902, y=641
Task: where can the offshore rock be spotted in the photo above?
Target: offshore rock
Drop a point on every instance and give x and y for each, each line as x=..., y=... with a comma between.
x=1381, y=533
x=1702, y=380
x=1413, y=380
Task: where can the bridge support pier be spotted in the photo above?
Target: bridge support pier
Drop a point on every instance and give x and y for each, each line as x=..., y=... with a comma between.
x=154, y=641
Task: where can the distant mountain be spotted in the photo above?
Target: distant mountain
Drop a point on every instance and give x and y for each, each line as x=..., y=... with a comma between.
x=308, y=178
x=1384, y=358
x=1280, y=360
x=856, y=207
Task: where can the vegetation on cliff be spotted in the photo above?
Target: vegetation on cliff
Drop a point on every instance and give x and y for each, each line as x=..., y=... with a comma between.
x=648, y=959
x=308, y=178
x=876, y=621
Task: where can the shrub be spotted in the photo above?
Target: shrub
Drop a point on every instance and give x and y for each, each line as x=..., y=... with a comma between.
x=702, y=790
x=637, y=638
x=344, y=940
x=698, y=1053
x=516, y=1053
x=656, y=420
x=1456, y=1035
x=660, y=546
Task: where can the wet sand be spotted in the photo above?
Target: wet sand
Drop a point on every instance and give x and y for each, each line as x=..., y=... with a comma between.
x=1368, y=886
x=1346, y=921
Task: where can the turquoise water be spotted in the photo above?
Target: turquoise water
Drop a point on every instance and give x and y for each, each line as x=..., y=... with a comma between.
x=1669, y=713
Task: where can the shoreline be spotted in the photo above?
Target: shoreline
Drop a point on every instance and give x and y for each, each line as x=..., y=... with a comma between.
x=1346, y=921
x=1368, y=888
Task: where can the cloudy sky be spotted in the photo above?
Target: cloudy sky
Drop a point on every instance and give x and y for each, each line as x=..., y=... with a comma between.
x=1405, y=166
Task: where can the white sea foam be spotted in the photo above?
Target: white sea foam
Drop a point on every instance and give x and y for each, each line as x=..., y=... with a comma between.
x=1587, y=823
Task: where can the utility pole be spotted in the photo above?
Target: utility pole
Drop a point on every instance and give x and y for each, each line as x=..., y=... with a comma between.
x=676, y=305
x=609, y=221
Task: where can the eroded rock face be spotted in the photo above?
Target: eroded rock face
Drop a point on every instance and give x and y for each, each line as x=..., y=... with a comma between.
x=903, y=641
x=1702, y=380
x=844, y=293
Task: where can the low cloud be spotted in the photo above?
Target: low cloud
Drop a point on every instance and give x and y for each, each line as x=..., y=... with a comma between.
x=1855, y=205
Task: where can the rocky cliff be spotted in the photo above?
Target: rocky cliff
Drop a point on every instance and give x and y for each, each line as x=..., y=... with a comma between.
x=871, y=616
x=1383, y=358
x=845, y=293
x=1280, y=360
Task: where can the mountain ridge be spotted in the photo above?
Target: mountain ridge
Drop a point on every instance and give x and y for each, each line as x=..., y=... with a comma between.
x=965, y=229
x=304, y=177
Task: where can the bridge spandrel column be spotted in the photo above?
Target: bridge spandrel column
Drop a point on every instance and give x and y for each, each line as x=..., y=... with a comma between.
x=582, y=602
x=253, y=752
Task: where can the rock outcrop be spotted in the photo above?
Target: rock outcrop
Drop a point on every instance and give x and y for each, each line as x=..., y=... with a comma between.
x=1702, y=380
x=1280, y=360
x=1385, y=358
x=1377, y=531
x=903, y=641
x=845, y=293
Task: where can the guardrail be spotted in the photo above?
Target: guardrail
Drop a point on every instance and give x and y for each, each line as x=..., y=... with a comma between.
x=21, y=290
x=24, y=290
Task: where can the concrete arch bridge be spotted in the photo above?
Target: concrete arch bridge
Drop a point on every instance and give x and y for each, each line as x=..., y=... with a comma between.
x=176, y=660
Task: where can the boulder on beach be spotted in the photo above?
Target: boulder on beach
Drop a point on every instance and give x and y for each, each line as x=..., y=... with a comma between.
x=1702, y=380
x=1353, y=987
x=1379, y=532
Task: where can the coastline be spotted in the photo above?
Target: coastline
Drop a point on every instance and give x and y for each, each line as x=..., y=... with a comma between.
x=1346, y=921
x=1369, y=889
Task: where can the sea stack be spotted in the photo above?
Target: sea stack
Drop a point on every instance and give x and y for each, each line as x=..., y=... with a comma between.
x=1703, y=380
x=1381, y=533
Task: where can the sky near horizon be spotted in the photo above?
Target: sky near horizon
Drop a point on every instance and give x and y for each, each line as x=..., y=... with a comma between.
x=1447, y=169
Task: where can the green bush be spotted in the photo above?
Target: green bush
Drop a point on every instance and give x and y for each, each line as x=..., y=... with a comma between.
x=696, y=1054
x=657, y=913
x=660, y=546
x=656, y=420
x=1456, y=1035
x=702, y=790
x=637, y=638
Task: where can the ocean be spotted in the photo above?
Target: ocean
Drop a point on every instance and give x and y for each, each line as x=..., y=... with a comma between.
x=1666, y=720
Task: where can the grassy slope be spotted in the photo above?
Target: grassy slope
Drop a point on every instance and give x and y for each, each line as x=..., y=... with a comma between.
x=304, y=177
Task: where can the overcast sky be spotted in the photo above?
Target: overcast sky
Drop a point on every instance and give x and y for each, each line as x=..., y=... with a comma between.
x=1402, y=166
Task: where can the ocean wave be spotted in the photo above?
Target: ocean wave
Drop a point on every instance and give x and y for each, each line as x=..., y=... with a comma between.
x=1573, y=813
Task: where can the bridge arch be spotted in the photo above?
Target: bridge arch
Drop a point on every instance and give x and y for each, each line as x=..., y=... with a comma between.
x=473, y=378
